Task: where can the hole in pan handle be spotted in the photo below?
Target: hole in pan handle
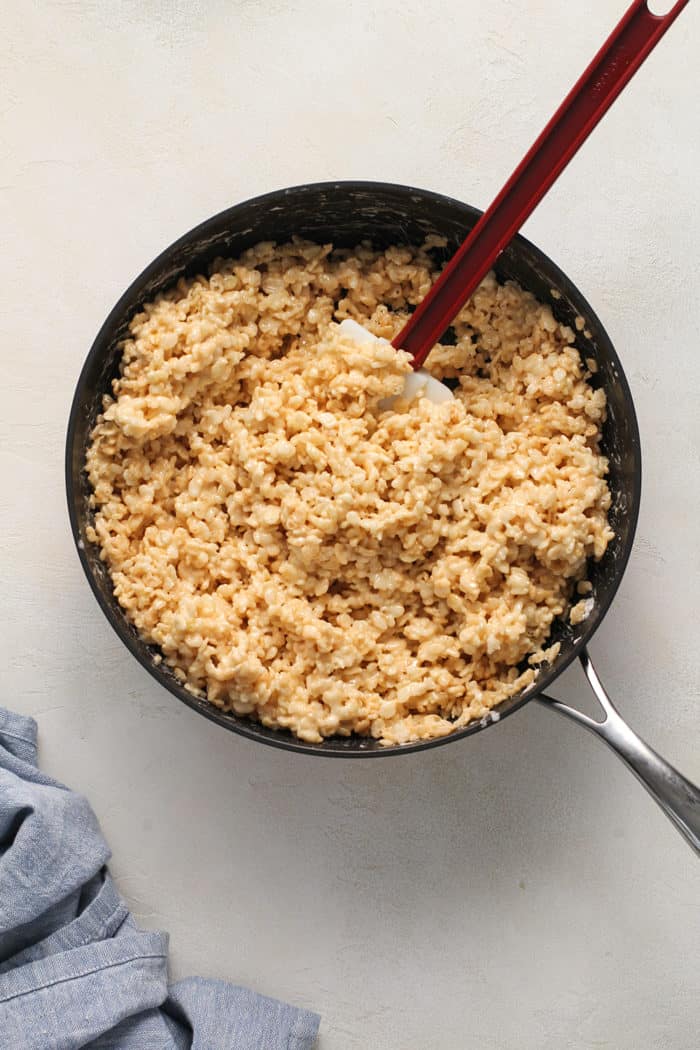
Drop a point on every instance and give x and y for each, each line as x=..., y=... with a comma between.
x=678, y=798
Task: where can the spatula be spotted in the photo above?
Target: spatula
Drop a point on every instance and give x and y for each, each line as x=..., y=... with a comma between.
x=633, y=39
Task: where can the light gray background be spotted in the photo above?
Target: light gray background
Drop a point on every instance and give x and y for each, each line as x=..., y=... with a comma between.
x=519, y=890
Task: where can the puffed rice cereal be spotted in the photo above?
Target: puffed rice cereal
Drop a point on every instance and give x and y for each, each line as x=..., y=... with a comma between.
x=301, y=553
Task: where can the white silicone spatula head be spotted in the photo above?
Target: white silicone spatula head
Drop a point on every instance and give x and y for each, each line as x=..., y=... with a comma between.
x=416, y=382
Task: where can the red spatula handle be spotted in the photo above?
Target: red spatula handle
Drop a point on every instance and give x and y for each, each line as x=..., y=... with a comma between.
x=612, y=68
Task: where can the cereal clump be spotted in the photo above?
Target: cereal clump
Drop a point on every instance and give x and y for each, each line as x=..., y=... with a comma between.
x=302, y=554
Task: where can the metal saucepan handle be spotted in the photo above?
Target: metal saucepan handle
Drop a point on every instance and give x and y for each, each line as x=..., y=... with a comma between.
x=678, y=798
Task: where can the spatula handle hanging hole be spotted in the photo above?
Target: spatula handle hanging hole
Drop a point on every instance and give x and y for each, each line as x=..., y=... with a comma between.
x=660, y=8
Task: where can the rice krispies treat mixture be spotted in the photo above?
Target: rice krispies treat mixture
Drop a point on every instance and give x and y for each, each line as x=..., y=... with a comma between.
x=303, y=555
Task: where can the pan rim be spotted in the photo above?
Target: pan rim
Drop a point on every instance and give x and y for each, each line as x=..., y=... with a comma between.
x=282, y=739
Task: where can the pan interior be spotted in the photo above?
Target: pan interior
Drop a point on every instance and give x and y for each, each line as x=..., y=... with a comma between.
x=346, y=214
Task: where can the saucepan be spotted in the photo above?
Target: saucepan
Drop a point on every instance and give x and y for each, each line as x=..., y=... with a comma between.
x=344, y=214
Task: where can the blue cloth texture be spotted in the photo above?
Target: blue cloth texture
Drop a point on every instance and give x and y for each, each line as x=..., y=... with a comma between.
x=75, y=969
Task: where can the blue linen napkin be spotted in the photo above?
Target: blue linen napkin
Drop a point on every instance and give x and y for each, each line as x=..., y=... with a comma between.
x=75, y=969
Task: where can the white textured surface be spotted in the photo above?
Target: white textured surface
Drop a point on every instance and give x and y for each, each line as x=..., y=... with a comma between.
x=519, y=890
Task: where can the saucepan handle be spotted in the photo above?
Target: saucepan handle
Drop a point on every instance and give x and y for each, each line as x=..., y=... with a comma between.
x=678, y=798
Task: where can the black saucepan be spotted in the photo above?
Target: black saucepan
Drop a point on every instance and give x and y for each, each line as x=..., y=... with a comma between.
x=346, y=213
